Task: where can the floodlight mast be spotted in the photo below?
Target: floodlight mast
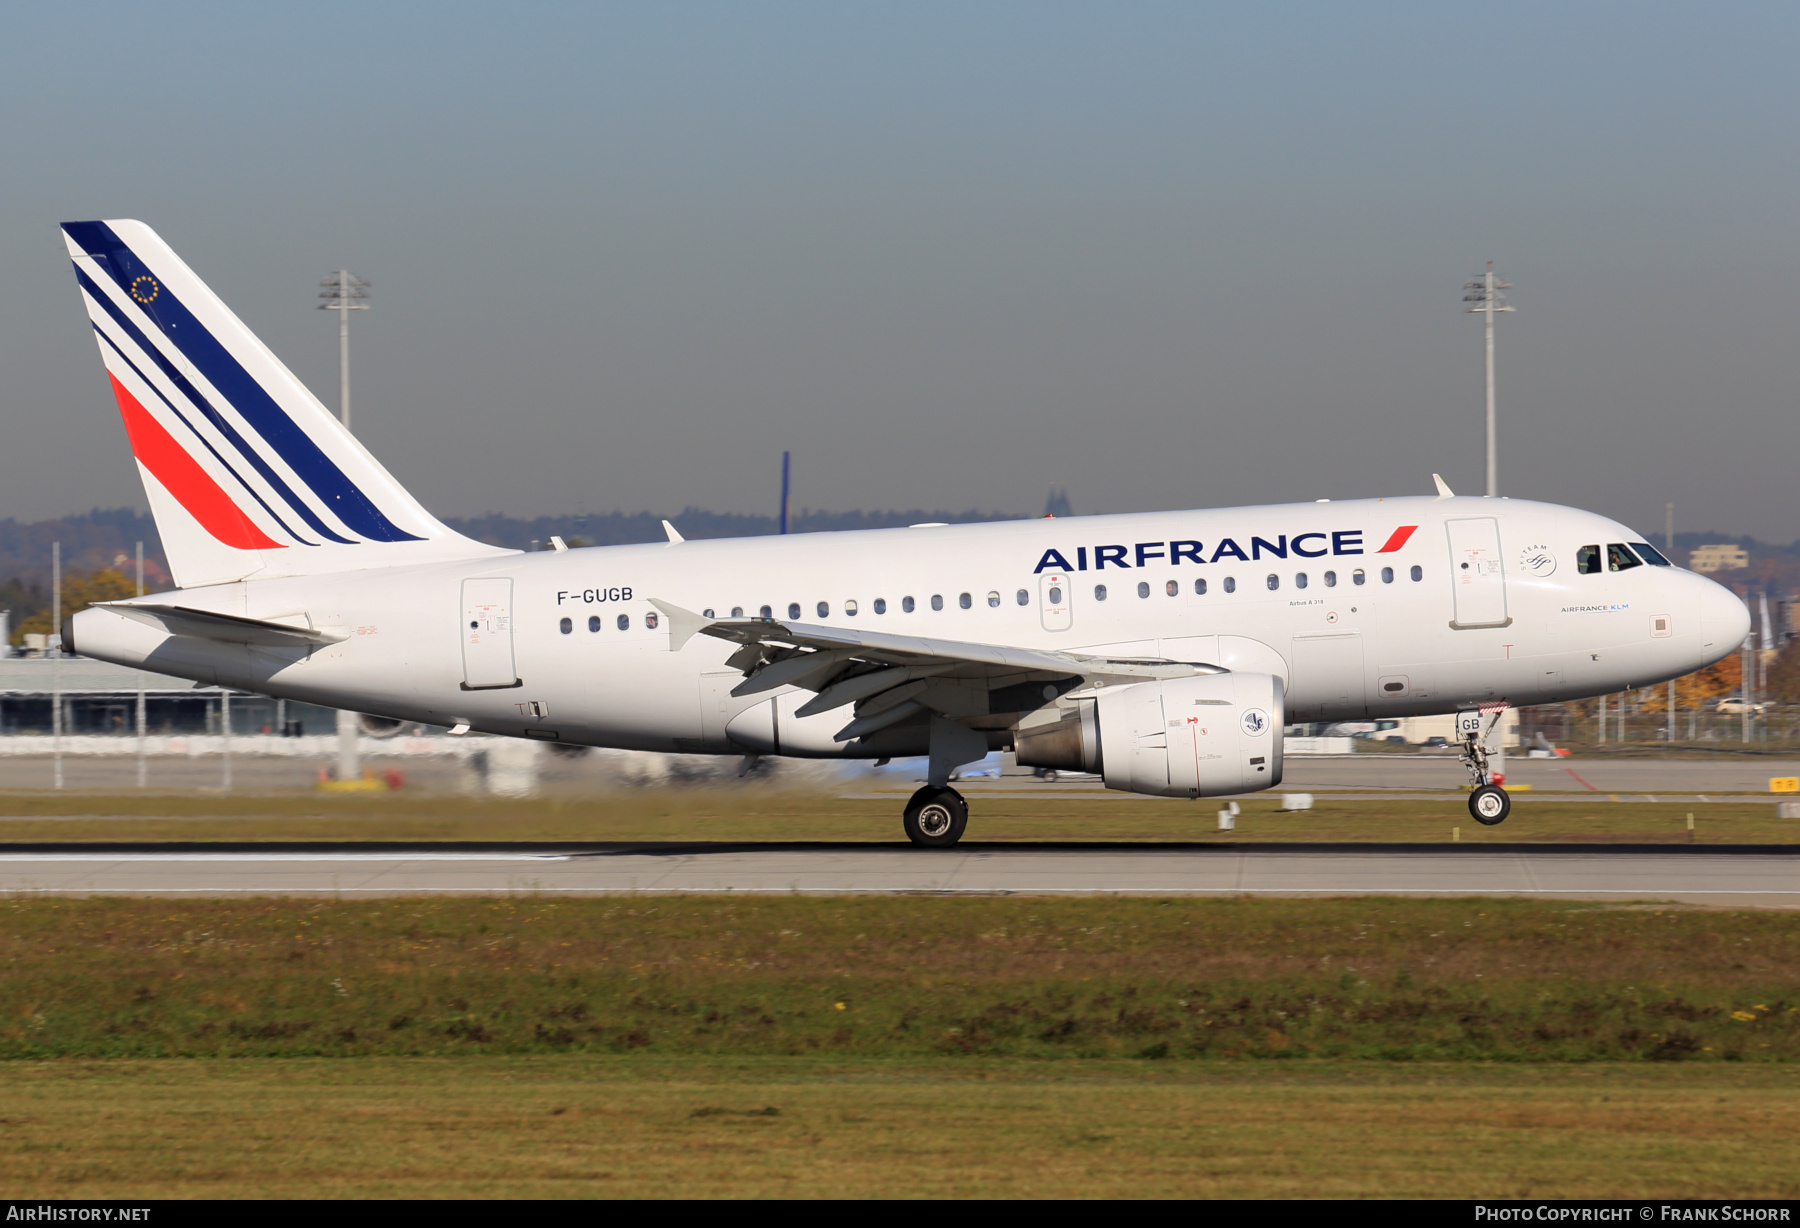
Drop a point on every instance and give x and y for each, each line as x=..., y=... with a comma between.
x=1486, y=297
x=344, y=293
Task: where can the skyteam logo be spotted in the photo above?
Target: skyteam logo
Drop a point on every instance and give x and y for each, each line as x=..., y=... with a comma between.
x=1173, y=553
x=1254, y=721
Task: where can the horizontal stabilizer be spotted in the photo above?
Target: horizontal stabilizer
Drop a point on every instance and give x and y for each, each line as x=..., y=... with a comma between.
x=224, y=628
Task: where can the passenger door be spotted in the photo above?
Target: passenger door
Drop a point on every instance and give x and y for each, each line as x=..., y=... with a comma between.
x=1475, y=573
x=487, y=636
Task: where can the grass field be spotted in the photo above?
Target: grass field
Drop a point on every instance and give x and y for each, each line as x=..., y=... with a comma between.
x=757, y=813
x=897, y=1046
x=630, y=1126
x=899, y=978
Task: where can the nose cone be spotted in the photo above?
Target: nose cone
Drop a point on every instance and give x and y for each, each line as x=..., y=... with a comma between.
x=1724, y=620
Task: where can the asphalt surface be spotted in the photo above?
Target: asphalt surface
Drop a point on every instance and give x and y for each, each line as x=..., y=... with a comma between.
x=1757, y=876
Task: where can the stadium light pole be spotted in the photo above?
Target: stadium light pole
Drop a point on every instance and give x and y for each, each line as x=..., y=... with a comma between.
x=1485, y=298
x=344, y=293
x=1669, y=545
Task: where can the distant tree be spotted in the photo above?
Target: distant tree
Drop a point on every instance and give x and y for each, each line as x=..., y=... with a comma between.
x=1784, y=674
x=78, y=593
x=1699, y=689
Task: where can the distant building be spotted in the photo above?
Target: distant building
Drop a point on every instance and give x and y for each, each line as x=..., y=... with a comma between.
x=1058, y=503
x=1722, y=557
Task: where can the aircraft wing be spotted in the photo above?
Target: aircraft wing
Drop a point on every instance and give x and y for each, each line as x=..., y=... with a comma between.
x=891, y=677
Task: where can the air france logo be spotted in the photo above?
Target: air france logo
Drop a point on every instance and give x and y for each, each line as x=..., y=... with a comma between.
x=1255, y=721
x=1174, y=553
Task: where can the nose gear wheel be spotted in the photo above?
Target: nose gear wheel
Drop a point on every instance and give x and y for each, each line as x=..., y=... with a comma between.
x=1489, y=805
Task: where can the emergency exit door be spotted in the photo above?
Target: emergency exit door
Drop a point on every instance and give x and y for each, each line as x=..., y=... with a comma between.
x=1476, y=574
x=487, y=636
x=1055, y=592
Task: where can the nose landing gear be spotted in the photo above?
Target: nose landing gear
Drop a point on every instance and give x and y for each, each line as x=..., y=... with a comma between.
x=1488, y=803
x=935, y=817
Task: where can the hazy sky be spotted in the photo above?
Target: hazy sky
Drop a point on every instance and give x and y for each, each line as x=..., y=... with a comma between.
x=950, y=255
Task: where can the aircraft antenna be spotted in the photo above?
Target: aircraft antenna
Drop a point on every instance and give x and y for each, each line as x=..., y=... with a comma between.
x=344, y=293
x=1485, y=298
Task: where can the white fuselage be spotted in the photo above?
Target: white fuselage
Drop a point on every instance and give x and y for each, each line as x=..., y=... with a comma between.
x=1497, y=612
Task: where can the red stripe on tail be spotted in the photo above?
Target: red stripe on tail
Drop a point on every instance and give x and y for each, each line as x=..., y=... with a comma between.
x=182, y=477
x=1399, y=538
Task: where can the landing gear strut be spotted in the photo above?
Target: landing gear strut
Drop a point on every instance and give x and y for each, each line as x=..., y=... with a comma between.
x=935, y=817
x=1488, y=803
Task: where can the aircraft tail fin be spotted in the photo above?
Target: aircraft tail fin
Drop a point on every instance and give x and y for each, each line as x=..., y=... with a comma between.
x=247, y=474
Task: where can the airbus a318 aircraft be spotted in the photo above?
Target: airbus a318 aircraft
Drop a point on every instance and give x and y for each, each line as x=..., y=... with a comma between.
x=1164, y=651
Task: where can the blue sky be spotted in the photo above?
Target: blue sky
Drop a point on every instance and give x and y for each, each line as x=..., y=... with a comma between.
x=949, y=255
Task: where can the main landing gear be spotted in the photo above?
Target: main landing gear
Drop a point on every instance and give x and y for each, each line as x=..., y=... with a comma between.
x=1488, y=803
x=935, y=817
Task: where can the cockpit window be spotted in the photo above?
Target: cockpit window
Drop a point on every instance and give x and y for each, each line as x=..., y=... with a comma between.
x=1650, y=554
x=1587, y=561
x=1620, y=558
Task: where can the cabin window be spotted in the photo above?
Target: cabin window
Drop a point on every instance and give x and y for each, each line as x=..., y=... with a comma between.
x=1620, y=558
x=1172, y=587
x=706, y=613
x=1199, y=588
x=964, y=601
x=737, y=611
x=1300, y=579
x=1387, y=575
x=767, y=612
x=937, y=601
x=650, y=621
x=793, y=609
x=1024, y=598
x=1230, y=584
x=1650, y=554
x=906, y=605
x=994, y=600
x=1330, y=579
x=850, y=609
x=1143, y=588
x=881, y=605
x=1587, y=561
x=594, y=622
x=1418, y=573
x=824, y=609
x=567, y=625
x=1274, y=582
x=1099, y=592
x=624, y=622
x=1357, y=576
x=1055, y=595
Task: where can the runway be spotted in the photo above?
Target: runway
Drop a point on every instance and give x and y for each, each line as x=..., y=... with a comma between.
x=1757, y=876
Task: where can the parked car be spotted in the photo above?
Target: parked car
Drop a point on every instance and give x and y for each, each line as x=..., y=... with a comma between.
x=1735, y=705
x=1436, y=743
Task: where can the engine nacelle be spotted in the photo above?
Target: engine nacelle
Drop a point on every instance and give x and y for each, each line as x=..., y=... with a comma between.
x=1206, y=736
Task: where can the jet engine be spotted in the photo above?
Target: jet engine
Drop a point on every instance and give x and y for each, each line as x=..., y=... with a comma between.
x=1185, y=737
